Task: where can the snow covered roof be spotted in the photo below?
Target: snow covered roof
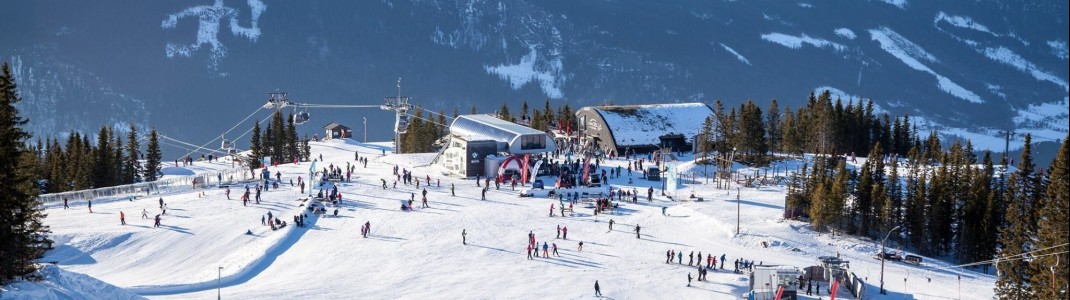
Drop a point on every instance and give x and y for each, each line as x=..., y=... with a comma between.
x=644, y=124
x=333, y=126
x=488, y=127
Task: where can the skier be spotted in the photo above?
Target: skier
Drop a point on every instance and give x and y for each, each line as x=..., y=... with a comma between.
x=554, y=247
x=161, y=203
x=564, y=232
x=636, y=230
x=464, y=237
x=367, y=228
x=663, y=210
x=580, y=249
x=157, y=221
x=484, y=193
x=680, y=258
x=122, y=217
x=722, y=261
x=552, y=211
x=453, y=190
x=90, y=205
x=690, y=258
x=688, y=279
x=545, y=250
x=611, y=224
x=529, y=251
x=144, y=213
x=228, y=193
x=597, y=290
x=65, y=203
x=558, y=230
x=263, y=221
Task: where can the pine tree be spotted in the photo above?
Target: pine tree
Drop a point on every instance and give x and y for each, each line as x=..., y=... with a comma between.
x=292, y=141
x=1048, y=280
x=503, y=113
x=1019, y=230
x=548, y=114
x=255, y=151
x=524, y=112
x=132, y=166
x=23, y=237
x=153, y=157
x=118, y=159
x=772, y=125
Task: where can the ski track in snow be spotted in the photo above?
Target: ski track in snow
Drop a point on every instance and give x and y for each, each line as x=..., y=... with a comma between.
x=330, y=260
x=912, y=55
x=738, y=56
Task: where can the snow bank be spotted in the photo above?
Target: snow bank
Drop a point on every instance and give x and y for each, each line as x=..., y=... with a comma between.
x=796, y=42
x=961, y=22
x=1006, y=56
x=62, y=284
x=847, y=33
x=1059, y=49
x=913, y=56
x=738, y=56
x=548, y=75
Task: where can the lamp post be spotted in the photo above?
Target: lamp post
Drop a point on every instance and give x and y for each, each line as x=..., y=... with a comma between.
x=365, y=129
x=218, y=282
x=882, y=255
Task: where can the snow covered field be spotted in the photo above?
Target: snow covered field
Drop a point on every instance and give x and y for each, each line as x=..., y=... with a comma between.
x=419, y=254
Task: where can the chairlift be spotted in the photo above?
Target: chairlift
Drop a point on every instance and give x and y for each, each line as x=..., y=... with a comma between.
x=300, y=118
x=401, y=125
x=227, y=145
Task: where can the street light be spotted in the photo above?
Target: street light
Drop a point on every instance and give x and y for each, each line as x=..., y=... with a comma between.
x=218, y=282
x=882, y=255
x=365, y=129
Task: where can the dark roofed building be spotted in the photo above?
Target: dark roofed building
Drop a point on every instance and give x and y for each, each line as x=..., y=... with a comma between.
x=337, y=131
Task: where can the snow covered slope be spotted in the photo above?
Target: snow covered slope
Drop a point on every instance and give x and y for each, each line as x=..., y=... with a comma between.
x=419, y=254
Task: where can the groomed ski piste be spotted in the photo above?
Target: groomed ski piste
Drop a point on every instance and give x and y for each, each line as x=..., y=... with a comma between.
x=419, y=254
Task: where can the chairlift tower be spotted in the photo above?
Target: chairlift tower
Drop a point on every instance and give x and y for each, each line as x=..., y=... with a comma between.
x=400, y=105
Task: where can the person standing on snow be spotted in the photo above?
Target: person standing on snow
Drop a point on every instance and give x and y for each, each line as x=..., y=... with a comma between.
x=551, y=209
x=144, y=213
x=122, y=218
x=464, y=237
x=722, y=261
x=453, y=190
x=564, y=232
x=688, y=279
x=65, y=203
x=157, y=224
x=580, y=249
x=597, y=290
x=228, y=193
x=611, y=224
x=554, y=247
x=367, y=228
x=558, y=231
x=90, y=205
x=529, y=251
x=680, y=258
x=545, y=250
x=636, y=230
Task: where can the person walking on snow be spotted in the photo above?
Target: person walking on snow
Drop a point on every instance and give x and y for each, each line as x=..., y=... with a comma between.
x=90, y=205
x=545, y=250
x=529, y=249
x=144, y=213
x=558, y=231
x=122, y=218
x=554, y=247
x=636, y=230
x=564, y=232
x=367, y=228
x=453, y=190
x=688, y=279
x=680, y=258
x=722, y=261
x=597, y=290
x=65, y=203
x=610, y=224
x=690, y=258
x=157, y=224
x=551, y=209
x=464, y=237
x=228, y=193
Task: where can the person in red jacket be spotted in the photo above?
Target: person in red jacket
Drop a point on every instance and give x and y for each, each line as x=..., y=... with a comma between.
x=122, y=217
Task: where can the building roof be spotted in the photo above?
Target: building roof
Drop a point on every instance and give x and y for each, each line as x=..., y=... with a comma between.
x=635, y=125
x=473, y=127
x=334, y=126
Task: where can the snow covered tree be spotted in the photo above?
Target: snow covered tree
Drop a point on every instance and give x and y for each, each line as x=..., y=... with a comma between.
x=1048, y=280
x=153, y=157
x=23, y=237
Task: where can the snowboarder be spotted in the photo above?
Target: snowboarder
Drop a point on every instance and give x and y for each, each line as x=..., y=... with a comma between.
x=597, y=290
x=636, y=230
x=464, y=237
x=122, y=217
